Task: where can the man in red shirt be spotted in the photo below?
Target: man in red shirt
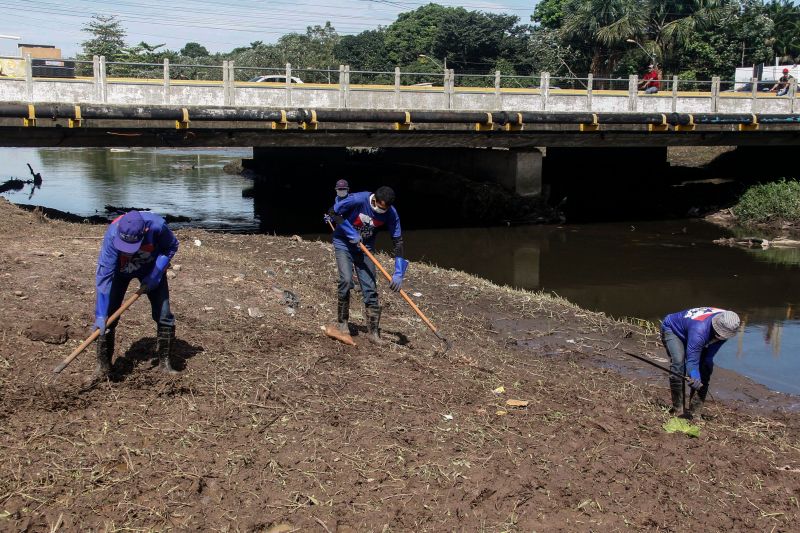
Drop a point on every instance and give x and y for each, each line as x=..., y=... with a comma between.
x=651, y=81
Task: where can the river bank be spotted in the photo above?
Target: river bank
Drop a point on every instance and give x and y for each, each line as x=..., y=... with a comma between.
x=273, y=424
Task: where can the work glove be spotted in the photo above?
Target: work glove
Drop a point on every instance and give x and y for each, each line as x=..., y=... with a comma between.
x=100, y=323
x=152, y=280
x=350, y=232
x=400, y=267
x=694, y=380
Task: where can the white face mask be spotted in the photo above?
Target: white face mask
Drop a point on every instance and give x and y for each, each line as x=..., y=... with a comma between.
x=341, y=193
x=374, y=205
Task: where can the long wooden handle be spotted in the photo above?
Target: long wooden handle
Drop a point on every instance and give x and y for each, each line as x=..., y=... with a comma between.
x=96, y=333
x=405, y=296
x=403, y=293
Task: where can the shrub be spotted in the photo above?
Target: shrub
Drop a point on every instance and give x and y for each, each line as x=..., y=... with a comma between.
x=779, y=200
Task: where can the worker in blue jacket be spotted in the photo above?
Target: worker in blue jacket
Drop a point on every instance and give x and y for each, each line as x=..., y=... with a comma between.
x=358, y=218
x=136, y=245
x=692, y=338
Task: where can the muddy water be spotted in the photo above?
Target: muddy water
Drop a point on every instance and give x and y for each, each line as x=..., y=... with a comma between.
x=633, y=269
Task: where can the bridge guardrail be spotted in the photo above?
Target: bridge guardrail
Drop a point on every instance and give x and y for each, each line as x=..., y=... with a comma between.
x=349, y=88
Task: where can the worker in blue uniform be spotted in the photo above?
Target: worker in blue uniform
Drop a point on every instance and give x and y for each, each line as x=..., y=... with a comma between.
x=136, y=245
x=692, y=338
x=358, y=218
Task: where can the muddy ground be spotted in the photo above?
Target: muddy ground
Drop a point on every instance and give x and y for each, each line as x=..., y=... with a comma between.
x=274, y=427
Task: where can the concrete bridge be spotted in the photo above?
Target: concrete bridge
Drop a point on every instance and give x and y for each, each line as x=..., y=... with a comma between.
x=493, y=131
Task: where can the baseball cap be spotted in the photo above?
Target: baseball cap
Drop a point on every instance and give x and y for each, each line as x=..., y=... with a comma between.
x=786, y=71
x=725, y=324
x=342, y=184
x=130, y=232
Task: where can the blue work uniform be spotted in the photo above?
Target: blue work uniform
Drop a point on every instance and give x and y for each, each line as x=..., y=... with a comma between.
x=691, y=343
x=115, y=270
x=356, y=209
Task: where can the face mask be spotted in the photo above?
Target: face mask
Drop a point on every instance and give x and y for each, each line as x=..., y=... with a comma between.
x=374, y=205
x=341, y=193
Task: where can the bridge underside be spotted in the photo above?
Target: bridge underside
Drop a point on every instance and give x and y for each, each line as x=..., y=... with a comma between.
x=113, y=134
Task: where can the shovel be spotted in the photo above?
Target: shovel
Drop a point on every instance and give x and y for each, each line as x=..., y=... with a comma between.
x=96, y=333
x=405, y=296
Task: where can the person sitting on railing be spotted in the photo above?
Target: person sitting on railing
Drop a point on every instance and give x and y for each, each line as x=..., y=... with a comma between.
x=783, y=83
x=651, y=82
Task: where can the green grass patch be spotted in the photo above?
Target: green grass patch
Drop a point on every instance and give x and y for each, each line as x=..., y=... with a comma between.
x=779, y=200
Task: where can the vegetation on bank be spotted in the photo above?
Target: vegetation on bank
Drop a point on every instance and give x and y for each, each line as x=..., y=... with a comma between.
x=770, y=202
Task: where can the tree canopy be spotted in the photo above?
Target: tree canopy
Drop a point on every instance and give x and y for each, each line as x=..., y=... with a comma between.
x=608, y=38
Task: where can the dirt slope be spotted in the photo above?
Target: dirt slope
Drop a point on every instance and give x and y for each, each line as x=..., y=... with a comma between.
x=274, y=427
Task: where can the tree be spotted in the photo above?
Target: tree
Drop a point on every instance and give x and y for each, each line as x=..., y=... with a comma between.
x=365, y=51
x=108, y=38
x=194, y=50
x=786, y=17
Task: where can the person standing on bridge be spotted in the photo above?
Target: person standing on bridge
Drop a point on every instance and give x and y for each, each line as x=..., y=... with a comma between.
x=692, y=338
x=136, y=245
x=358, y=218
x=651, y=82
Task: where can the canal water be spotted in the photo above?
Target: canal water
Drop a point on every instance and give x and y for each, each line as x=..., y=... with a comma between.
x=631, y=269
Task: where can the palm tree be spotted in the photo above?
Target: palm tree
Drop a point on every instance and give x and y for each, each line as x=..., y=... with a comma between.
x=605, y=25
x=786, y=17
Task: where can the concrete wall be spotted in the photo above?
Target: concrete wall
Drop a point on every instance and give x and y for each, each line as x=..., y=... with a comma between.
x=335, y=96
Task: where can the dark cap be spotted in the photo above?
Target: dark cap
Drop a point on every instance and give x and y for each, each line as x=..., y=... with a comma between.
x=130, y=232
x=342, y=184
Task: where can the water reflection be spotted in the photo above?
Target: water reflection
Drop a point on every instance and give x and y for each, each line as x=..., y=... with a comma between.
x=643, y=270
x=180, y=182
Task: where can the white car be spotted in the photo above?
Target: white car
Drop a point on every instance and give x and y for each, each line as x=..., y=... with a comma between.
x=275, y=78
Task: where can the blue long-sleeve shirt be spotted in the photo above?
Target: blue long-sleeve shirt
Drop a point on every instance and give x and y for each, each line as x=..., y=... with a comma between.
x=357, y=210
x=693, y=327
x=158, y=240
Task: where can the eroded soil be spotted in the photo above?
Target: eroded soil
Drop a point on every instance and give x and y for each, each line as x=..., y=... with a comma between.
x=274, y=427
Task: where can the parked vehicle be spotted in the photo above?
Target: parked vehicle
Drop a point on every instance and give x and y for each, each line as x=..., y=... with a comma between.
x=274, y=78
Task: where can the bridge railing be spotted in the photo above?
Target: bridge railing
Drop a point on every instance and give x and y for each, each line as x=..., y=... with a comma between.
x=229, y=84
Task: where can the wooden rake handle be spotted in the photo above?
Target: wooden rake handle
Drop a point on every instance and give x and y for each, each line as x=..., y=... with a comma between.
x=403, y=293
x=96, y=333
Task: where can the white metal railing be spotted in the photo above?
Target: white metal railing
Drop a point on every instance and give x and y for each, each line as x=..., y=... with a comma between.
x=452, y=87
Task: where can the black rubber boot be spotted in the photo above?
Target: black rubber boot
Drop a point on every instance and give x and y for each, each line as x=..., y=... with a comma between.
x=343, y=314
x=105, y=351
x=373, y=324
x=676, y=389
x=698, y=399
x=164, y=342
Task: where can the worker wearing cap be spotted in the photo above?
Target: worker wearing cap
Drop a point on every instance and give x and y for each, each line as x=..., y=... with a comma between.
x=342, y=191
x=783, y=83
x=136, y=245
x=692, y=338
x=358, y=218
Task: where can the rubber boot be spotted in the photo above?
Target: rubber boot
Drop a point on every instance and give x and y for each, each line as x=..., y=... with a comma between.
x=164, y=341
x=343, y=314
x=676, y=389
x=373, y=324
x=105, y=351
x=696, y=404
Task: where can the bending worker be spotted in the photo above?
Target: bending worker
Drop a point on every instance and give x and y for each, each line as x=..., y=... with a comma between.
x=136, y=245
x=692, y=338
x=358, y=217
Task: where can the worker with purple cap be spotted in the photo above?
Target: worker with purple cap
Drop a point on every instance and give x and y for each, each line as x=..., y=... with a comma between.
x=692, y=338
x=784, y=82
x=342, y=191
x=136, y=245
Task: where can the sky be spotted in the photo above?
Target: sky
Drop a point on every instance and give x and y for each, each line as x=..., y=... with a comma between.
x=219, y=25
